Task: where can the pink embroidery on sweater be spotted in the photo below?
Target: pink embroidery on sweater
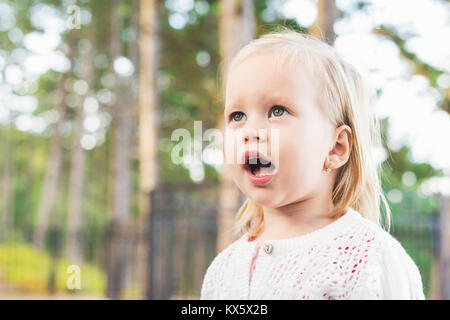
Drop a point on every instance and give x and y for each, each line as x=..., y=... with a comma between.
x=253, y=264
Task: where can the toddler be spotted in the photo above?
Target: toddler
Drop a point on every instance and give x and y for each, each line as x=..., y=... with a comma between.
x=310, y=226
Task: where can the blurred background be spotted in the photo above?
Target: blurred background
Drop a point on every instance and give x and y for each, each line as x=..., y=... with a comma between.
x=91, y=204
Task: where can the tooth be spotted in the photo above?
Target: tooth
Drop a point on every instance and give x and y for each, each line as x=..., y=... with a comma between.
x=261, y=175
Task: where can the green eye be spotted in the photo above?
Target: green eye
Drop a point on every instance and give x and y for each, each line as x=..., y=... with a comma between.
x=278, y=111
x=237, y=116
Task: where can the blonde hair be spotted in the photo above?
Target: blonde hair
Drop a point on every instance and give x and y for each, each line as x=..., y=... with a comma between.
x=347, y=100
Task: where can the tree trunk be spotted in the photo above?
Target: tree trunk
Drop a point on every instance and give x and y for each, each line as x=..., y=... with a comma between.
x=444, y=254
x=236, y=28
x=148, y=55
x=52, y=172
x=327, y=15
x=132, y=272
x=120, y=172
x=5, y=222
x=77, y=171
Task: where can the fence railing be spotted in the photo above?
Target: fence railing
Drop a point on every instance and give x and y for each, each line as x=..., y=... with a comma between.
x=181, y=240
x=419, y=235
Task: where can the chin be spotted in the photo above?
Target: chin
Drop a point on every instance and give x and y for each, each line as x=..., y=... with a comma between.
x=263, y=197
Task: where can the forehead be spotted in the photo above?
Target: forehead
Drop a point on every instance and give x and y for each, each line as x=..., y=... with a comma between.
x=262, y=77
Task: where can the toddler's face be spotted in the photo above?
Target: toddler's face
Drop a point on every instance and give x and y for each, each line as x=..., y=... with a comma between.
x=263, y=99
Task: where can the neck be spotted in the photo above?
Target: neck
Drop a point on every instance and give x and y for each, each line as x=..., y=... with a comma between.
x=297, y=218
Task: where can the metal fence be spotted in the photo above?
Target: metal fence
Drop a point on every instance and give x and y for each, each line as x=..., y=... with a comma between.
x=419, y=235
x=181, y=242
x=183, y=239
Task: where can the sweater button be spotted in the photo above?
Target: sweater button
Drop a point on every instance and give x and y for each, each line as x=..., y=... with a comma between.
x=268, y=248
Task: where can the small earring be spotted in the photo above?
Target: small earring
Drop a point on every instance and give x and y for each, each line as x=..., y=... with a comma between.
x=327, y=170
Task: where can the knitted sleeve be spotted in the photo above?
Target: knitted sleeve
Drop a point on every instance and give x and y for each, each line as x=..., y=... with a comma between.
x=391, y=275
x=402, y=278
x=207, y=289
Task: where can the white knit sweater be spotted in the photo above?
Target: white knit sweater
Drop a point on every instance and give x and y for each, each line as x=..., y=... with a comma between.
x=350, y=258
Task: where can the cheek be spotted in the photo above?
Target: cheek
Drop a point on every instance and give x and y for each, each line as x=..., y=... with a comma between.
x=229, y=146
x=302, y=157
x=232, y=170
x=232, y=150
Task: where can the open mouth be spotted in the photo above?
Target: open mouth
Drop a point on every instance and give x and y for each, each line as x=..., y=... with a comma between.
x=258, y=165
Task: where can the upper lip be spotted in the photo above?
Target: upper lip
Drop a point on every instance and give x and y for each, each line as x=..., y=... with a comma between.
x=253, y=154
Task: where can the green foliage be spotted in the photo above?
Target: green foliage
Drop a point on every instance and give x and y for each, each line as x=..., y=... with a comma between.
x=398, y=163
x=412, y=201
x=30, y=270
x=418, y=244
x=192, y=93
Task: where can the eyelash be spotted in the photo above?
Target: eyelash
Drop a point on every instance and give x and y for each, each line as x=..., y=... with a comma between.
x=271, y=111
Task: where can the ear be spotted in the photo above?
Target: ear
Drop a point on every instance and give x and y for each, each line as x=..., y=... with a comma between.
x=340, y=153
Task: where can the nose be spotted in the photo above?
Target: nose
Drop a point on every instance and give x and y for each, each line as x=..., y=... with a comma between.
x=255, y=135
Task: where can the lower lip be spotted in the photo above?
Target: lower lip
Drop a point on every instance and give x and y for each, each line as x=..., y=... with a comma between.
x=259, y=180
